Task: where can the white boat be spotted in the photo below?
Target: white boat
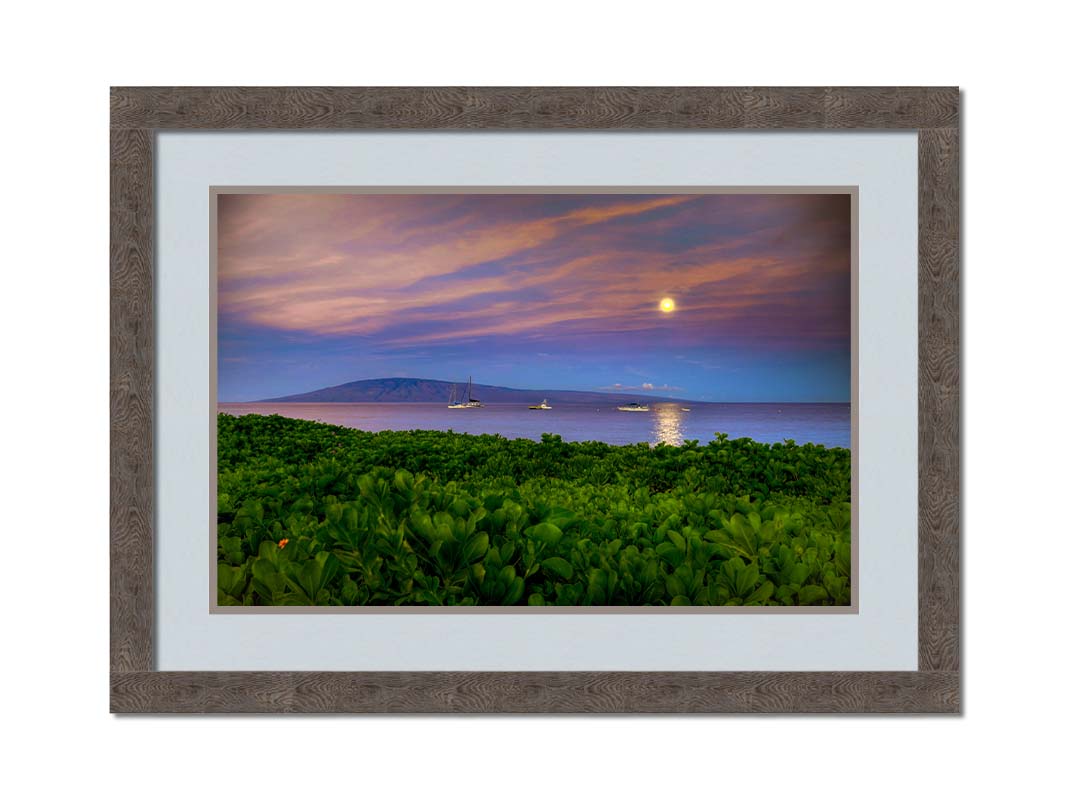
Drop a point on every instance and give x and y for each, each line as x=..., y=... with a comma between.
x=470, y=402
x=543, y=406
x=453, y=402
x=633, y=407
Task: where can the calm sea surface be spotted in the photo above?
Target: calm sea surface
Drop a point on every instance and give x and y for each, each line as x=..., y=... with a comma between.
x=820, y=423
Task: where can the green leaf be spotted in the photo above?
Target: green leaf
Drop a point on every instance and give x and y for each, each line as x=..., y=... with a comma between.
x=423, y=525
x=762, y=594
x=599, y=587
x=231, y=580
x=675, y=585
x=476, y=547
x=562, y=518
x=558, y=567
x=514, y=592
x=843, y=557
x=798, y=573
x=266, y=579
x=671, y=554
x=546, y=533
x=809, y=595
x=403, y=480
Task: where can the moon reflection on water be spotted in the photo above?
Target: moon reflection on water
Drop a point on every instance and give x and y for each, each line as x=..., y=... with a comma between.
x=668, y=423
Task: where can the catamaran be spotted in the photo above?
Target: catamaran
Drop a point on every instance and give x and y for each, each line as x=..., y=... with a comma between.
x=633, y=407
x=470, y=402
x=542, y=406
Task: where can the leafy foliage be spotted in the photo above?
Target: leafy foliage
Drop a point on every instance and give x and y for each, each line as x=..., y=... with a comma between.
x=313, y=514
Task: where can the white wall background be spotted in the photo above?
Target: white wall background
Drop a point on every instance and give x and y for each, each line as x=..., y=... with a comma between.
x=58, y=63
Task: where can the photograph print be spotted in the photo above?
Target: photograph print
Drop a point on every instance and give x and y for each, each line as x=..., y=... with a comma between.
x=556, y=398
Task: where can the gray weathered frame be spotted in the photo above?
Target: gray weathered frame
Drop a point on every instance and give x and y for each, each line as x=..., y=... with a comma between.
x=136, y=115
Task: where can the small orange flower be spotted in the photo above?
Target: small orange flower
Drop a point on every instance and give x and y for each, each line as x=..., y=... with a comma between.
x=282, y=544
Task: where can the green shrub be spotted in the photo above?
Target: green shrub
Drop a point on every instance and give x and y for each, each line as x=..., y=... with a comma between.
x=313, y=514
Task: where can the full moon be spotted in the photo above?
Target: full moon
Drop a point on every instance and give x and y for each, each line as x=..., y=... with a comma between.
x=666, y=305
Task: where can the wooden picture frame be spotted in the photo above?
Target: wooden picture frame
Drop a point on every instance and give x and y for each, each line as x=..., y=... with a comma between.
x=138, y=113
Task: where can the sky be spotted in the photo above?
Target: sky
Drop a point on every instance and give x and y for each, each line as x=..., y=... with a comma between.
x=539, y=291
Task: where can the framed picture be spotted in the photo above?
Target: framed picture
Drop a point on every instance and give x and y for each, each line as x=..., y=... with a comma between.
x=627, y=490
x=535, y=400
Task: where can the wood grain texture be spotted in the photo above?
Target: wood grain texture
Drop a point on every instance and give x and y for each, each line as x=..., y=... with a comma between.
x=138, y=113
x=131, y=390
x=893, y=108
x=535, y=692
x=939, y=400
x=469, y=108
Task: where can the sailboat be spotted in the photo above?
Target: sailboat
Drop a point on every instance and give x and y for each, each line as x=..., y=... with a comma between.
x=470, y=402
x=543, y=406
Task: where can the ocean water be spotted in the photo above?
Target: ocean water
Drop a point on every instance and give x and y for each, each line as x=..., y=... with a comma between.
x=820, y=423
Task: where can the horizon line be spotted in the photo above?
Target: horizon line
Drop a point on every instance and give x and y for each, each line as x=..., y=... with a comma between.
x=622, y=392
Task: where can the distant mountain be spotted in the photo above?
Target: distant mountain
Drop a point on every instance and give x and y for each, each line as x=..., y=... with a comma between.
x=419, y=390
